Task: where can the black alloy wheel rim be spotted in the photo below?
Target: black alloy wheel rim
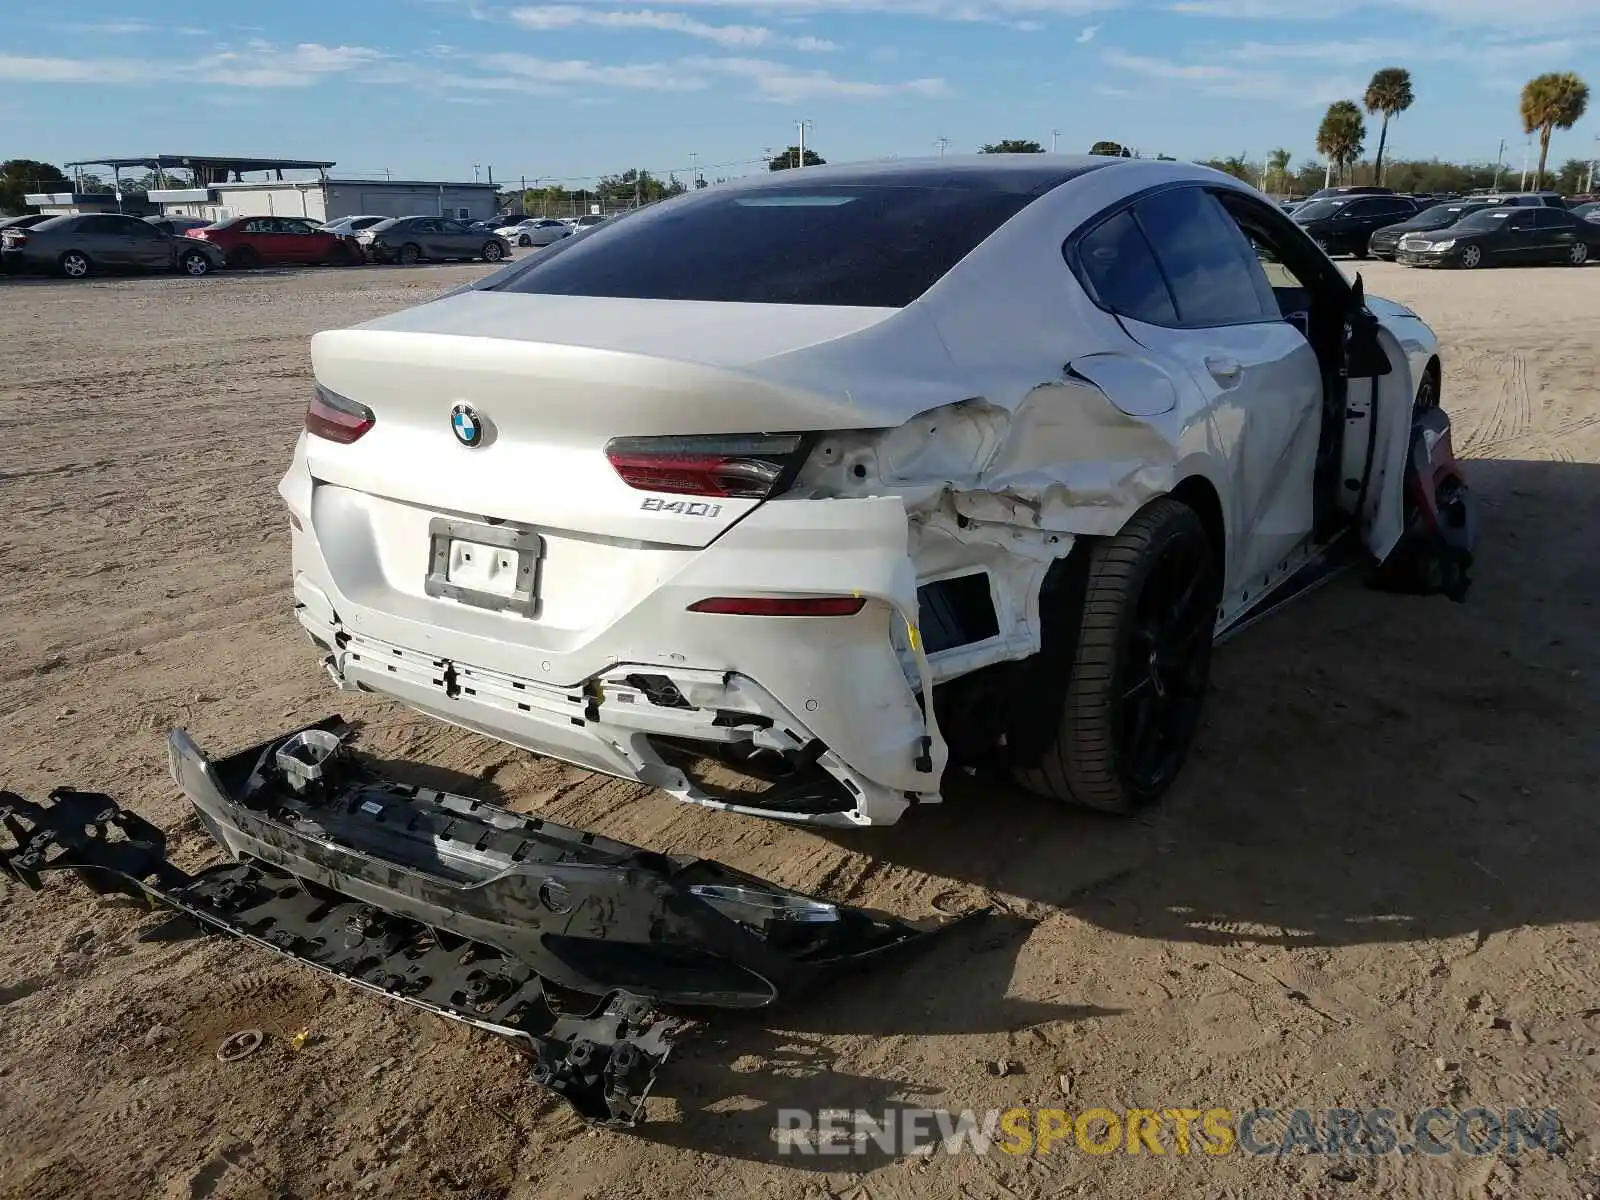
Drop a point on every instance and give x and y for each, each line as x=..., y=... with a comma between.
x=1166, y=653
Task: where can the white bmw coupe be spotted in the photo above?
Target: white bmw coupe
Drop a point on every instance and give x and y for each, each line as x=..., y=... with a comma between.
x=843, y=475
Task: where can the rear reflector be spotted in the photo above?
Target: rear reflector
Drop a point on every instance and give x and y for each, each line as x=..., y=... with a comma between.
x=754, y=466
x=336, y=417
x=793, y=606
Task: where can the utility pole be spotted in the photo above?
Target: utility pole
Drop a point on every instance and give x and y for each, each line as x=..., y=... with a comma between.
x=801, y=147
x=491, y=172
x=941, y=143
x=1593, y=159
x=1055, y=135
x=1527, y=157
x=694, y=167
x=475, y=174
x=1499, y=159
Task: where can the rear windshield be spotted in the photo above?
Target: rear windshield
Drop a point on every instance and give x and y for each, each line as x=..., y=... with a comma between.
x=876, y=242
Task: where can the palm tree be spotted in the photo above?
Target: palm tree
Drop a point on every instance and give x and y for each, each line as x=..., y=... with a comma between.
x=1278, y=170
x=1341, y=134
x=1553, y=101
x=1388, y=93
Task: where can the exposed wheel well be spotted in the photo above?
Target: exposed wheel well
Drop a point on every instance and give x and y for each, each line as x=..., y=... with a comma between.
x=1197, y=492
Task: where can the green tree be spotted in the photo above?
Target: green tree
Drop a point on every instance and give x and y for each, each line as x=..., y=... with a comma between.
x=21, y=176
x=790, y=158
x=1557, y=100
x=1277, y=179
x=1012, y=146
x=1114, y=149
x=1389, y=93
x=1572, y=177
x=1341, y=134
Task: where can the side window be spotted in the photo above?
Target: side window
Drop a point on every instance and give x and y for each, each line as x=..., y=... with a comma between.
x=1551, y=218
x=1522, y=218
x=257, y=225
x=1120, y=270
x=1214, y=275
x=426, y=226
x=291, y=225
x=1361, y=208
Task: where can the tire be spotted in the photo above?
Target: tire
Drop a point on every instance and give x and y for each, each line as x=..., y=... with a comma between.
x=1579, y=254
x=244, y=258
x=75, y=264
x=524, y=241
x=1322, y=244
x=410, y=254
x=493, y=252
x=1471, y=258
x=194, y=263
x=1094, y=757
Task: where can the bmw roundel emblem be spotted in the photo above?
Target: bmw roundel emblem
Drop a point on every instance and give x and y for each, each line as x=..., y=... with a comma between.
x=466, y=425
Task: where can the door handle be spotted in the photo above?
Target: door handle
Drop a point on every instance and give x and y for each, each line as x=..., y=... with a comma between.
x=1225, y=371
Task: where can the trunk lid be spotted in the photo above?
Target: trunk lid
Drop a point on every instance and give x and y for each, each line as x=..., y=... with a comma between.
x=551, y=380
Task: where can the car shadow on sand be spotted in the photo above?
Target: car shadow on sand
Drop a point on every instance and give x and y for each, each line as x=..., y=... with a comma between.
x=1373, y=768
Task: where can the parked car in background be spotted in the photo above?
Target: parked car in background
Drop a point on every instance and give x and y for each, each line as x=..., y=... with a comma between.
x=1504, y=235
x=350, y=226
x=27, y=221
x=1350, y=190
x=1531, y=199
x=1345, y=224
x=261, y=241
x=1587, y=212
x=1382, y=244
x=85, y=243
x=536, y=231
x=177, y=226
x=412, y=239
x=587, y=221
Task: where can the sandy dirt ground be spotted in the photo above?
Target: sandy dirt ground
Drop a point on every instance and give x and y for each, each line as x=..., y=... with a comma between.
x=1374, y=886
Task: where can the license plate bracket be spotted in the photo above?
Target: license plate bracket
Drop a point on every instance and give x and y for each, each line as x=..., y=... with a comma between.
x=518, y=552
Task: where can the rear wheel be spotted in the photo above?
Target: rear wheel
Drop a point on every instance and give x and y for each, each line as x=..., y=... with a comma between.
x=410, y=254
x=493, y=252
x=1579, y=254
x=1140, y=666
x=74, y=264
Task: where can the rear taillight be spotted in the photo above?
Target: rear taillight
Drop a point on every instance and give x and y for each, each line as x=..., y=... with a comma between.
x=197, y=233
x=781, y=606
x=748, y=465
x=336, y=417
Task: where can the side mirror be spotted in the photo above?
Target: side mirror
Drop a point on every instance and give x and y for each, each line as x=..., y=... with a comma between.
x=1364, y=356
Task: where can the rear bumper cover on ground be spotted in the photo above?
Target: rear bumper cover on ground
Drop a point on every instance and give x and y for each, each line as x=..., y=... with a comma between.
x=558, y=939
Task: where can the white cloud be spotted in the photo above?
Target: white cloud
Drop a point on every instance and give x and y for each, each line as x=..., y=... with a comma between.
x=1454, y=13
x=637, y=76
x=258, y=65
x=1009, y=11
x=1484, y=52
x=778, y=81
x=17, y=68
x=731, y=37
x=1286, y=87
x=261, y=64
x=1086, y=34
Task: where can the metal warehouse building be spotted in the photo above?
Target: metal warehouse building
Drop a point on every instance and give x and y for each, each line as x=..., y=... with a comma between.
x=219, y=191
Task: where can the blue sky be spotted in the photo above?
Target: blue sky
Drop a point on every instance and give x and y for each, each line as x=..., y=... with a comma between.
x=575, y=88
